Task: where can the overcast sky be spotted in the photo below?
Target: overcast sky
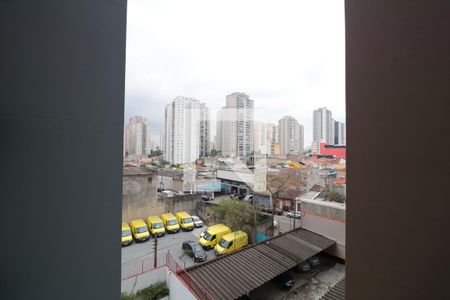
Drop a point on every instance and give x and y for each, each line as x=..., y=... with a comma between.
x=289, y=56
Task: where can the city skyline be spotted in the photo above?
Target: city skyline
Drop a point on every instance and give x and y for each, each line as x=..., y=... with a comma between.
x=210, y=133
x=292, y=66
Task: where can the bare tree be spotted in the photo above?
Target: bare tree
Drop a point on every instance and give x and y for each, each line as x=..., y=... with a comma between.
x=277, y=183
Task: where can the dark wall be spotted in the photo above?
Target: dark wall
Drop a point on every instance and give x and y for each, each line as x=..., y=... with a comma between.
x=398, y=92
x=62, y=70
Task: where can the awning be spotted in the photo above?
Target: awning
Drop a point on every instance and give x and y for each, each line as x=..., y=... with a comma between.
x=236, y=274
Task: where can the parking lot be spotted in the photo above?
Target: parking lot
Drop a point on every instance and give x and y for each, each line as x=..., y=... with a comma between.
x=308, y=286
x=171, y=242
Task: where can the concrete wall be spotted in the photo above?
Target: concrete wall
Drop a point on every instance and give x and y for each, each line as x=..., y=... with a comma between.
x=325, y=211
x=178, y=291
x=171, y=183
x=139, y=196
x=188, y=203
x=134, y=284
x=327, y=221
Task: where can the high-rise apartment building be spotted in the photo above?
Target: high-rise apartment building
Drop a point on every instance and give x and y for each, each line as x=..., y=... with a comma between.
x=182, y=130
x=235, y=126
x=339, y=133
x=263, y=137
x=162, y=139
x=291, y=136
x=204, y=130
x=137, y=136
x=270, y=137
x=323, y=126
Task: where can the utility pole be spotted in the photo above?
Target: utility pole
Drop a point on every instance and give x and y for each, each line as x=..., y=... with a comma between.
x=155, y=248
x=295, y=212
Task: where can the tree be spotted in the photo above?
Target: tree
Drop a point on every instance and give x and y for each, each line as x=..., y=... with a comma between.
x=155, y=153
x=214, y=152
x=238, y=215
x=277, y=183
x=335, y=196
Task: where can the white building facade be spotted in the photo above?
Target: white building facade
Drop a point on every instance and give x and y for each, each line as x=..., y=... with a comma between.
x=204, y=130
x=182, y=131
x=339, y=133
x=291, y=136
x=235, y=126
x=137, y=136
x=323, y=126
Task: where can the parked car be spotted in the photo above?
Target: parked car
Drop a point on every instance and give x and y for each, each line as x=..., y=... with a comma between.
x=185, y=221
x=314, y=261
x=249, y=198
x=139, y=230
x=293, y=214
x=127, y=238
x=194, y=249
x=197, y=221
x=269, y=211
x=212, y=235
x=156, y=226
x=205, y=198
x=304, y=267
x=170, y=223
x=231, y=242
x=285, y=280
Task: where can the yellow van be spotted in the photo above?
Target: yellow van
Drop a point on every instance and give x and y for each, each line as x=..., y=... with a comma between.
x=127, y=239
x=212, y=235
x=185, y=220
x=156, y=226
x=170, y=222
x=231, y=242
x=139, y=230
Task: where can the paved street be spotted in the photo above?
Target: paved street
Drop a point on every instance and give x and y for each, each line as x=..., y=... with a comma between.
x=173, y=242
x=286, y=224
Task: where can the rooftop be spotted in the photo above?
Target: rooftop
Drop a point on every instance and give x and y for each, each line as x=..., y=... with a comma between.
x=337, y=292
x=133, y=170
x=238, y=273
x=169, y=173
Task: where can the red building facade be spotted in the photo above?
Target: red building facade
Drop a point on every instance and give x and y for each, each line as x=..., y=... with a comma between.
x=337, y=150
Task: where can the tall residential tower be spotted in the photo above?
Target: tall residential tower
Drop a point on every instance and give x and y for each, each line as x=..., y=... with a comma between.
x=137, y=136
x=235, y=123
x=182, y=130
x=291, y=136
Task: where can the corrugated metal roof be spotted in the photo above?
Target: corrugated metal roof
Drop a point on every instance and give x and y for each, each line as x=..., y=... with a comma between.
x=337, y=292
x=231, y=276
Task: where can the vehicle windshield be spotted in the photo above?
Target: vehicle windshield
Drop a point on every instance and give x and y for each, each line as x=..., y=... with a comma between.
x=224, y=243
x=207, y=235
x=141, y=229
x=172, y=222
x=187, y=220
x=195, y=219
x=126, y=232
x=197, y=248
x=157, y=225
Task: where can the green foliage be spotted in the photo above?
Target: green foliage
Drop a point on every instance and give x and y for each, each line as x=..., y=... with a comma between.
x=213, y=152
x=155, y=153
x=155, y=291
x=238, y=215
x=334, y=196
